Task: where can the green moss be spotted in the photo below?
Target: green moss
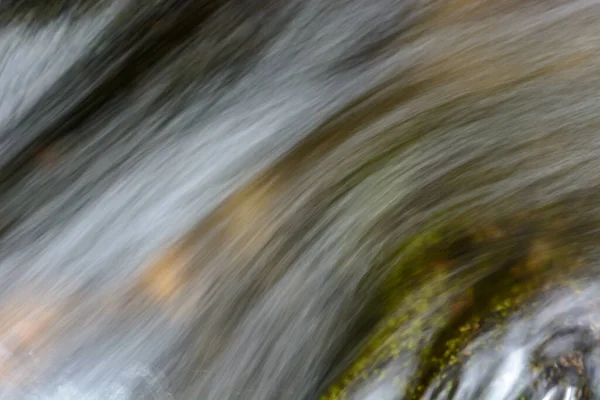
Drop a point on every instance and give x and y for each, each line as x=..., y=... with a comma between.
x=432, y=310
x=402, y=329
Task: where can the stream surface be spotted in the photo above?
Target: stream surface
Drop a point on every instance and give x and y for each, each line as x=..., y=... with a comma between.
x=300, y=199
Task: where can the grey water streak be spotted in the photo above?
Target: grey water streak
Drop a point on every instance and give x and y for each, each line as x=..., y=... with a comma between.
x=198, y=198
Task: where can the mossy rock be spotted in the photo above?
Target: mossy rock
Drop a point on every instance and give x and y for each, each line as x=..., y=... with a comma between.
x=448, y=305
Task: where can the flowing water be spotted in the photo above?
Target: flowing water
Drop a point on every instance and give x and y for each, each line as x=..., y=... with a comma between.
x=265, y=199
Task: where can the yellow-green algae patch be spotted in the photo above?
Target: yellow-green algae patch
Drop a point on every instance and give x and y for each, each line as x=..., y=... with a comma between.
x=448, y=305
